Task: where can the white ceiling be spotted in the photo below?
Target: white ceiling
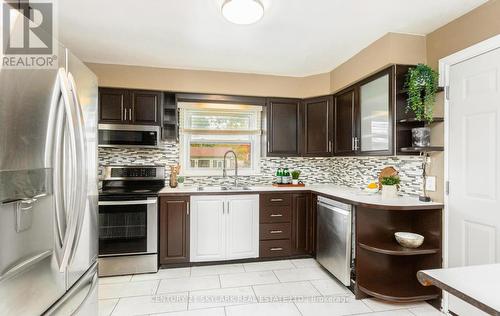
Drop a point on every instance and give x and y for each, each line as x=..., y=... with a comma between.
x=295, y=37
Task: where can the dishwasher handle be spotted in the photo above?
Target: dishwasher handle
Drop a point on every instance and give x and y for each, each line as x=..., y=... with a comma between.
x=334, y=209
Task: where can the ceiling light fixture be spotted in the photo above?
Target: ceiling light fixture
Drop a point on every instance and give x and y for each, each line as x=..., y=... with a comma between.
x=242, y=11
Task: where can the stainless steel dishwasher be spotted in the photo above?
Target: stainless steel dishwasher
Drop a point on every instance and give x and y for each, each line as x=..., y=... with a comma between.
x=334, y=238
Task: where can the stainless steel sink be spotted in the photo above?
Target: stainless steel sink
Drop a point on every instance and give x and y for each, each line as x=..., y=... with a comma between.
x=223, y=188
x=235, y=188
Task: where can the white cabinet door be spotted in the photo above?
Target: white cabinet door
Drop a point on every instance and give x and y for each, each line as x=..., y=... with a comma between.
x=242, y=226
x=207, y=229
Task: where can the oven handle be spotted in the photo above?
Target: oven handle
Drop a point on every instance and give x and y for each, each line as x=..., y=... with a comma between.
x=127, y=202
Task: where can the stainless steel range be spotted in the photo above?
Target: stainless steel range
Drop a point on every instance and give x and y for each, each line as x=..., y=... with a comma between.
x=128, y=219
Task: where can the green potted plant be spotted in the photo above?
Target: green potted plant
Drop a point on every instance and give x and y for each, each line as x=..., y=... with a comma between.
x=390, y=187
x=180, y=181
x=421, y=85
x=295, y=177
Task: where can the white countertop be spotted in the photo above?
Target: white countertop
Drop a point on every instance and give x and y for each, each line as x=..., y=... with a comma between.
x=353, y=195
x=477, y=285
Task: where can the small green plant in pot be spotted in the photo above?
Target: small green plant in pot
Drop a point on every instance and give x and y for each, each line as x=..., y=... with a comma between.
x=390, y=187
x=295, y=177
x=421, y=85
x=180, y=181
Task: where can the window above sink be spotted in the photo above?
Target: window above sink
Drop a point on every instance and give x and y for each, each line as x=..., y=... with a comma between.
x=208, y=131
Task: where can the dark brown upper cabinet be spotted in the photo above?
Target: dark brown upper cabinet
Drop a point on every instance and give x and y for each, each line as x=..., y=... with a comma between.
x=318, y=126
x=345, y=122
x=174, y=230
x=283, y=127
x=365, y=115
x=113, y=105
x=375, y=121
x=123, y=106
x=145, y=107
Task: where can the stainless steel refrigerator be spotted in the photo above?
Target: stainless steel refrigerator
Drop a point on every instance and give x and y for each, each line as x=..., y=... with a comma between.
x=48, y=190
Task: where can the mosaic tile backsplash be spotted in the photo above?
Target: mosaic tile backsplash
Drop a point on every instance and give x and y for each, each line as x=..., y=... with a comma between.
x=347, y=171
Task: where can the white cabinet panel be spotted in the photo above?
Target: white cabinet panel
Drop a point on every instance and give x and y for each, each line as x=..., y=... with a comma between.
x=224, y=227
x=243, y=227
x=207, y=229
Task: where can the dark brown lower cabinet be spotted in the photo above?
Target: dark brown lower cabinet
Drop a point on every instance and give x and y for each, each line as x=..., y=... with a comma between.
x=174, y=229
x=301, y=224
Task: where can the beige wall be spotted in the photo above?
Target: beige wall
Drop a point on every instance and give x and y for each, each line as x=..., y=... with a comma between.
x=210, y=81
x=471, y=28
x=393, y=48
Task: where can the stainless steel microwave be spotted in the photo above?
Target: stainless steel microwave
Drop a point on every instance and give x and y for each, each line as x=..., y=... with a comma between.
x=117, y=135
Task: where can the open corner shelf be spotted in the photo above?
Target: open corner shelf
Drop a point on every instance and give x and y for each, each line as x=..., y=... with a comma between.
x=421, y=149
x=415, y=121
x=394, y=249
x=400, y=291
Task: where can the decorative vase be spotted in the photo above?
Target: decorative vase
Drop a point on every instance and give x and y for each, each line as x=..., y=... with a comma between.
x=174, y=172
x=389, y=192
x=295, y=181
x=421, y=136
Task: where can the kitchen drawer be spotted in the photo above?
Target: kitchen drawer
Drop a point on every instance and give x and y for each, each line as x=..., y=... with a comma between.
x=276, y=199
x=275, y=231
x=274, y=248
x=276, y=214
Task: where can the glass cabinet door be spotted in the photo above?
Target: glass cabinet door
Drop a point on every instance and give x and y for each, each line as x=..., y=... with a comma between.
x=374, y=116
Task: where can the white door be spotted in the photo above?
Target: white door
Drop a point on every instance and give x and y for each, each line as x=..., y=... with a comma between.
x=474, y=165
x=207, y=230
x=242, y=226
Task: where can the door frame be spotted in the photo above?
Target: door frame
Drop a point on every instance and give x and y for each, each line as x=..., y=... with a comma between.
x=444, y=81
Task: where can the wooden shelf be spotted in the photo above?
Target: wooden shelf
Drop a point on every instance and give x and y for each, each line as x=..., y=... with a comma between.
x=394, y=249
x=402, y=291
x=421, y=149
x=414, y=120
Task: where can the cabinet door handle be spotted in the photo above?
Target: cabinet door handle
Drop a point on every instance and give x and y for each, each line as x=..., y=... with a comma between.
x=356, y=146
x=276, y=249
x=352, y=143
x=121, y=110
x=187, y=208
x=125, y=110
x=223, y=207
x=227, y=207
x=330, y=146
x=130, y=114
x=268, y=147
x=276, y=200
x=275, y=231
x=276, y=215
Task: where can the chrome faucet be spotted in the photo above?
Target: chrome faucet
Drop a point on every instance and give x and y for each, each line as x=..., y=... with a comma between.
x=224, y=169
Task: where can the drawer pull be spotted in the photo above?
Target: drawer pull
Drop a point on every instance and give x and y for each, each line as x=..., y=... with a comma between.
x=276, y=249
x=275, y=231
x=276, y=200
x=276, y=215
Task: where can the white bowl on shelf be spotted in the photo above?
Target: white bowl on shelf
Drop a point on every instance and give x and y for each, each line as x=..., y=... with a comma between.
x=409, y=240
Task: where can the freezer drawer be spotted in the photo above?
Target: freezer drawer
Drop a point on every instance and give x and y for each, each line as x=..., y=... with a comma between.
x=81, y=299
x=334, y=238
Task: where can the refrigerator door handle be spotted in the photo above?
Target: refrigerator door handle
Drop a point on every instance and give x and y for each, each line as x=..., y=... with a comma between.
x=81, y=191
x=65, y=115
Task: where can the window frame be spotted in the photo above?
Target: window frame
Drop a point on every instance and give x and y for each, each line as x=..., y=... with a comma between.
x=185, y=137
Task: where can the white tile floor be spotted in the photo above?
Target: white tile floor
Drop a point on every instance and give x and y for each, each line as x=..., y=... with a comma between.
x=287, y=287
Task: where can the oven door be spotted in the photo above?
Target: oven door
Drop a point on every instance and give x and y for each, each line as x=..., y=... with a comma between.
x=111, y=135
x=128, y=225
